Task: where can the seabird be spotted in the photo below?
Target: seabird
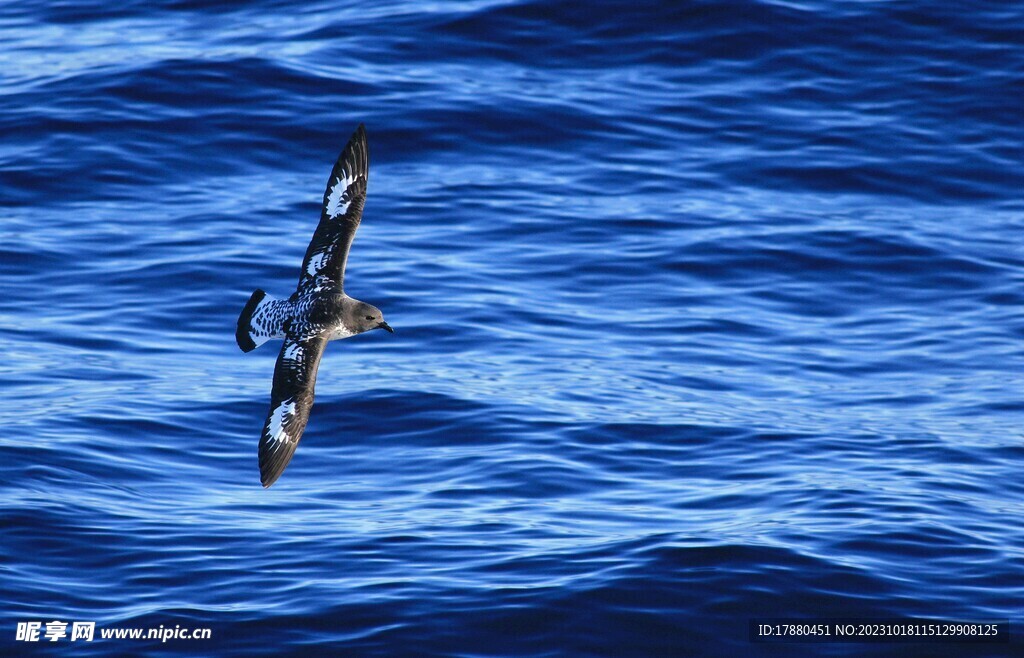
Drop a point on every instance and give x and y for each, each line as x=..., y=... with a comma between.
x=318, y=311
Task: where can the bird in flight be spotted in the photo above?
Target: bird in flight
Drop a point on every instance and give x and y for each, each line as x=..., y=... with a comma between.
x=318, y=311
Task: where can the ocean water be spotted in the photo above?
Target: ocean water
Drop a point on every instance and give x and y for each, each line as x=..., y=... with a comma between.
x=705, y=311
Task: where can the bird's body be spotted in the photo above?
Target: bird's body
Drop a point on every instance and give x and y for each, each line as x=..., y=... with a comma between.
x=317, y=312
x=329, y=312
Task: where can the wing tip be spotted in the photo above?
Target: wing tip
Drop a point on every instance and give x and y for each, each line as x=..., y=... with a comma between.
x=271, y=469
x=358, y=140
x=356, y=152
x=361, y=151
x=274, y=457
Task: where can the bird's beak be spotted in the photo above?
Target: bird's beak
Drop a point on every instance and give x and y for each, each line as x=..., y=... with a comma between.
x=385, y=325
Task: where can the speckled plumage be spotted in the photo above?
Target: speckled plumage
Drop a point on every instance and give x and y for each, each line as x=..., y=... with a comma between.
x=317, y=312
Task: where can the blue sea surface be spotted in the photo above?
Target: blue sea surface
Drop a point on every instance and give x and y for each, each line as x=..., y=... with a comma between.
x=705, y=311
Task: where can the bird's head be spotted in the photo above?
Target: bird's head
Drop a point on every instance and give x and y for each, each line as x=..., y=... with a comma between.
x=366, y=317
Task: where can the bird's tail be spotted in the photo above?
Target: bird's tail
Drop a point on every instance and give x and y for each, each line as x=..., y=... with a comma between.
x=250, y=333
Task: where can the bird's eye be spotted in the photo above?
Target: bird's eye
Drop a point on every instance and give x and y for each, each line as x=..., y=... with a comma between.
x=369, y=317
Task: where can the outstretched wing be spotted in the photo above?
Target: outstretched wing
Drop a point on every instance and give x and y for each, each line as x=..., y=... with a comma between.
x=290, y=402
x=327, y=253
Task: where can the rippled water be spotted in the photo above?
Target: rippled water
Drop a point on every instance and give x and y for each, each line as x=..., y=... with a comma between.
x=705, y=311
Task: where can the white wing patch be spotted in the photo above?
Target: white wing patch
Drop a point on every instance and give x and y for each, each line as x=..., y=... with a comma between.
x=283, y=412
x=336, y=205
x=316, y=262
x=294, y=352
